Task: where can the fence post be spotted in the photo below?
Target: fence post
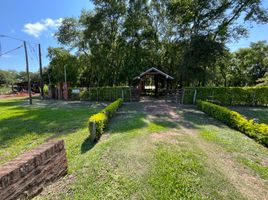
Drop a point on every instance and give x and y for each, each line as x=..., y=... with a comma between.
x=122, y=94
x=194, y=99
x=92, y=129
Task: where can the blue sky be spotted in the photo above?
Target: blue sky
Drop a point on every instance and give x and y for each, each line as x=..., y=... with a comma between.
x=36, y=21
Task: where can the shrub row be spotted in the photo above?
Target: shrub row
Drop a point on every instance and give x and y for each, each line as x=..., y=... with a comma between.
x=257, y=131
x=98, y=122
x=105, y=93
x=228, y=95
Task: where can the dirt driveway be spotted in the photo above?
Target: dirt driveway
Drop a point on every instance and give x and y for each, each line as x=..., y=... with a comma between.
x=245, y=180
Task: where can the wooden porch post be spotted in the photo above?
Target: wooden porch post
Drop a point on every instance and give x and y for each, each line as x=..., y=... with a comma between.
x=156, y=85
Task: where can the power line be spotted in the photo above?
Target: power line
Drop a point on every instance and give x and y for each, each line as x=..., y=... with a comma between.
x=11, y=50
x=33, y=52
x=10, y=37
x=14, y=38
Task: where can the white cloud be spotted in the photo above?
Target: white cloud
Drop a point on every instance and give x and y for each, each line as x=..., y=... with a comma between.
x=6, y=56
x=36, y=29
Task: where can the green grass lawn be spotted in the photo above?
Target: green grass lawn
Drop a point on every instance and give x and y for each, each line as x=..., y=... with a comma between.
x=155, y=158
x=260, y=113
x=23, y=127
x=143, y=155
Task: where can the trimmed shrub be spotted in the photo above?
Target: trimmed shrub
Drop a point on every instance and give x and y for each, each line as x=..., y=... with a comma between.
x=111, y=109
x=101, y=119
x=229, y=95
x=259, y=132
x=46, y=89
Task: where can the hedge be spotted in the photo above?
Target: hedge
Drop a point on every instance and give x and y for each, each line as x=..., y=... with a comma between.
x=98, y=122
x=254, y=96
x=105, y=93
x=257, y=131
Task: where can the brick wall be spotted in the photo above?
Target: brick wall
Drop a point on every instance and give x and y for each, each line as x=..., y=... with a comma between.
x=27, y=175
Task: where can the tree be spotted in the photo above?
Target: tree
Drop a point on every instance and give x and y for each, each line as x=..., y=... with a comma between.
x=250, y=64
x=263, y=81
x=120, y=39
x=59, y=58
x=8, y=77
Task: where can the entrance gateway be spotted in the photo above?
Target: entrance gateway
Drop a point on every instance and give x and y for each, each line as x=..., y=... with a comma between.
x=154, y=82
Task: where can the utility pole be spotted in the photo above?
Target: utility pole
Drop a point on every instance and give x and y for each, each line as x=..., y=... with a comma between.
x=41, y=73
x=28, y=75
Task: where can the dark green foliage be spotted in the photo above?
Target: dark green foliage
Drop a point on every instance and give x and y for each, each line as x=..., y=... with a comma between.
x=61, y=58
x=120, y=39
x=106, y=93
x=101, y=118
x=259, y=132
x=229, y=95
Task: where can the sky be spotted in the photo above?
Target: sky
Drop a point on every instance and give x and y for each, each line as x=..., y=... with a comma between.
x=36, y=20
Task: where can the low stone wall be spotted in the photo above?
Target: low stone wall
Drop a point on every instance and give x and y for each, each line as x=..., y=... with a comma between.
x=27, y=175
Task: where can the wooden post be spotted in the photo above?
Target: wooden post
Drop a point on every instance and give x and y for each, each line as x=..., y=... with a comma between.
x=27, y=71
x=123, y=94
x=194, y=96
x=92, y=129
x=41, y=73
x=156, y=85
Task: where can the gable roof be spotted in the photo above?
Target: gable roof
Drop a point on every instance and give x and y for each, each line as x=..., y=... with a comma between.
x=153, y=71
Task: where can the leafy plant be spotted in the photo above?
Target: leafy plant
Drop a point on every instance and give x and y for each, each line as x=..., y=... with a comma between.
x=101, y=119
x=259, y=132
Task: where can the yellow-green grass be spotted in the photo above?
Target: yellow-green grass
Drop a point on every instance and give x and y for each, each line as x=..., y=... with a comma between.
x=243, y=149
x=138, y=157
x=144, y=158
x=23, y=127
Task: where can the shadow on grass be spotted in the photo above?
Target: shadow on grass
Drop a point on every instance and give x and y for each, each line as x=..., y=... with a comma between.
x=17, y=122
x=129, y=117
x=194, y=118
x=87, y=145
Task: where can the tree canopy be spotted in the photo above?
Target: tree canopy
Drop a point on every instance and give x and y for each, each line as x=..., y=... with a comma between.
x=186, y=38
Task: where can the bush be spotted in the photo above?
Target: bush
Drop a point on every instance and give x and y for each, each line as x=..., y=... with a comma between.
x=5, y=90
x=228, y=95
x=101, y=119
x=259, y=132
x=46, y=89
x=111, y=109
